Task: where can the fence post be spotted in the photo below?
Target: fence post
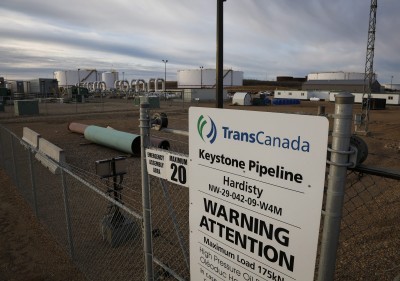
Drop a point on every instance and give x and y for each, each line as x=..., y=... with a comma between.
x=67, y=213
x=14, y=161
x=1, y=148
x=33, y=182
x=339, y=159
x=147, y=228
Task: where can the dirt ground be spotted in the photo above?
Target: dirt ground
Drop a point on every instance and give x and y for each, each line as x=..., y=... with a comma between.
x=27, y=252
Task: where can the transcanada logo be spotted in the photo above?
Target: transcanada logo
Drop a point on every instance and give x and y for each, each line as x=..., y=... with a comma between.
x=212, y=133
x=262, y=138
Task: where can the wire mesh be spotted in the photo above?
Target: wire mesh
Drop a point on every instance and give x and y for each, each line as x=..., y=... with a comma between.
x=170, y=221
x=170, y=211
x=107, y=239
x=50, y=202
x=370, y=241
x=7, y=152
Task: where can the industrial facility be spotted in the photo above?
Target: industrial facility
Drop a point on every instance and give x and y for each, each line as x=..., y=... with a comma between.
x=195, y=85
x=206, y=78
x=340, y=81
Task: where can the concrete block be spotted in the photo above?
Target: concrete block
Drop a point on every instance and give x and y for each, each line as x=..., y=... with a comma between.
x=53, y=167
x=51, y=150
x=30, y=137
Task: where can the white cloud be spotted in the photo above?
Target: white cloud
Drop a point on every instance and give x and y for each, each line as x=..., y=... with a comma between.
x=262, y=37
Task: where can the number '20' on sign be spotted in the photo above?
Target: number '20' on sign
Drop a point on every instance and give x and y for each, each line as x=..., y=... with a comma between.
x=178, y=174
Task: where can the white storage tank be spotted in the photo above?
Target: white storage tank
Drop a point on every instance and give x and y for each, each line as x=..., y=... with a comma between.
x=109, y=78
x=70, y=77
x=394, y=87
x=206, y=78
x=338, y=75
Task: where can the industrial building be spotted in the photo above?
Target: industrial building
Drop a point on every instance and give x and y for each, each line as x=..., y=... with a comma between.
x=301, y=95
x=201, y=95
x=206, y=78
x=391, y=98
x=43, y=87
x=355, y=86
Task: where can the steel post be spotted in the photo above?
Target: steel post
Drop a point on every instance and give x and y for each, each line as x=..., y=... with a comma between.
x=67, y=214
x=220, y=54
x=336, y=185
x=147, y=227
x=14, y=161
x=2, y=150
x=33, y=182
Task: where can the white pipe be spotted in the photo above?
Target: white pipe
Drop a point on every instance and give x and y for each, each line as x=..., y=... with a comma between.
x=140, y=82
x=133, y=84
x=123, y=84
x=117, y=84
x=90, y=86
x=150, y=81
x=103, y=86
x=158, y=80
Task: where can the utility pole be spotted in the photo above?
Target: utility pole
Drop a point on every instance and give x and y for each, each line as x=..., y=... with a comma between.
x=165, y=72
x=201, y=77
x=220, y=54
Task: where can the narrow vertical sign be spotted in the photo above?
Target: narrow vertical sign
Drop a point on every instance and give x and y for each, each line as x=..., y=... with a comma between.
x=256, y=187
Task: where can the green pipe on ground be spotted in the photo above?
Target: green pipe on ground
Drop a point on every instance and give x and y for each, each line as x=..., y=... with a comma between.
x=122, y=141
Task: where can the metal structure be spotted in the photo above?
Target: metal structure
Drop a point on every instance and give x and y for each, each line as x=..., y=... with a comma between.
x=146, y=201
x=369, y=70
x=339, y=161
x=165, y=70
x=220, y=54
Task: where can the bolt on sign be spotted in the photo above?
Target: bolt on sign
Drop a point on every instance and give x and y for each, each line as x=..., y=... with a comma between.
x=256, y=186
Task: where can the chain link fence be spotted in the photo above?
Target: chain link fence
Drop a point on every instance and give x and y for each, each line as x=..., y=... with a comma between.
x=170, y=211
x=370, y=230
x=78, y=211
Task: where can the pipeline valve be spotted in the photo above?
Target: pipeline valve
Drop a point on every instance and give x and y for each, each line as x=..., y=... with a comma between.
x=159, y=121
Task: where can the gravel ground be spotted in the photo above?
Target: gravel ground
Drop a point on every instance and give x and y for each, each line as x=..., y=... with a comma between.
x=24, y=238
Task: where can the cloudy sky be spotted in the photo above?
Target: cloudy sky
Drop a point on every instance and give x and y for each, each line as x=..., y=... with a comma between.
x=263, y=38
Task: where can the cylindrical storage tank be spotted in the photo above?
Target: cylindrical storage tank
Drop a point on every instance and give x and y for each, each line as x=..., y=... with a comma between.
x=339, y=75
x=109, y=78
x=206, y=78
x=70, y=77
